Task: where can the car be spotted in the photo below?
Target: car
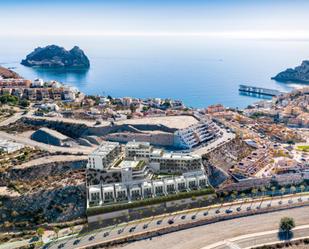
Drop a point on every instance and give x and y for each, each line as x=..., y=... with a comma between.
x=76, y=242
x=170, y=222
x=193, y=217
x=258, y=207
x=228, y=211
x=290, y=201
x=248, y=208
x=217, y=211
x=91, y=238
x=300, y=199
x=132, y=229
x=280, y=202
x=183, y=217
x=61, y=245
x=145, y=226
x=269, y=205
x=205, y=213
x=120, y=231
x=238, y=209
x=159, y=222
x=105, y=234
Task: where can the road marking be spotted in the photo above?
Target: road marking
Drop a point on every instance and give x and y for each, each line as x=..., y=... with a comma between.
x=232, y=245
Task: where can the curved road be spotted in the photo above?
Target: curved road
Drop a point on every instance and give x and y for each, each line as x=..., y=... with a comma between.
x=197, y=237
x=237, y=233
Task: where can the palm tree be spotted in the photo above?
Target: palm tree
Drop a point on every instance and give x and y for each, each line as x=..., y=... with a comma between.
x=254, y=192
x=292, y=189
x=302, y=188
x=282, y=191
x=286, y=225
x=40, y=232
x=243, y=196
x=56, y=230
x=273, y=189
x=263, y=190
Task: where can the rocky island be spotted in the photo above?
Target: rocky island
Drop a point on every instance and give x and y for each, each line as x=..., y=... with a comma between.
x=54, y=56
x=298, y=74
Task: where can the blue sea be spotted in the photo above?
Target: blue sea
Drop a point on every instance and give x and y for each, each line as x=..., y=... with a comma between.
x=200, y=71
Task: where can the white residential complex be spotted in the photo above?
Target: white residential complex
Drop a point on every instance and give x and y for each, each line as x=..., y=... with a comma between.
x=196, y=134
x=141, y=167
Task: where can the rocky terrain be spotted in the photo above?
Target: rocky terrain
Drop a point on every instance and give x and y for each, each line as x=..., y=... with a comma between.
x=6, y=73
x=47, y=192
x=298, y=74
x=53, y=56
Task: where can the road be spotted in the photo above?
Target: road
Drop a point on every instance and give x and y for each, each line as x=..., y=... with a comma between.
x=226, y=137
x=259, y=239
x=195, y=236
x=51, y=148
x=11, y=119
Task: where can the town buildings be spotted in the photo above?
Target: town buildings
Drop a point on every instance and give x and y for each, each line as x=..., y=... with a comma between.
x=37, y=90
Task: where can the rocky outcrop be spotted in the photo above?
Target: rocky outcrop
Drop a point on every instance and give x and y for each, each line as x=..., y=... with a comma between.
x=6, y=73
x=298, y=74
x=53, y=56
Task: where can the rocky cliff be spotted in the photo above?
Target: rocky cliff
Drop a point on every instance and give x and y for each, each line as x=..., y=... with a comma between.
x=298, y=74
x=6, y=73
x=54, y=56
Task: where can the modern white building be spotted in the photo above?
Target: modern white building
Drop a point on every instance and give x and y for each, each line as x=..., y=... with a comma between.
x=141, y=167
x=195, y=134
x=104, y=156
x=162, y=161
x=144, y=189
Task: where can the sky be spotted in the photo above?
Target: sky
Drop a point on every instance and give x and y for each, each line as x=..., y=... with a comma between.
x=260, y=19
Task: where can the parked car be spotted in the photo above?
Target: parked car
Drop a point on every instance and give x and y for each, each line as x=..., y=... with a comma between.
x=205, y=213
x=76, y=242
x=170, y=222
x=183, y=217
x=228, y=211
x=159, y=222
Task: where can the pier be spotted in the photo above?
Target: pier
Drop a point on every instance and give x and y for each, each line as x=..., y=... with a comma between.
x=259, y=90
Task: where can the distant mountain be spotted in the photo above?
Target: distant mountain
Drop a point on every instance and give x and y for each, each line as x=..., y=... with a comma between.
x=298, y=74
x=54, y=56
x=6, y=73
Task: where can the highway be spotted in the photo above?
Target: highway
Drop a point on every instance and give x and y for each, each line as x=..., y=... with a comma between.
x=159, y=222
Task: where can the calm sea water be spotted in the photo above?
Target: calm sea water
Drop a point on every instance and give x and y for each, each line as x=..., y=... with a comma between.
x=198, y=71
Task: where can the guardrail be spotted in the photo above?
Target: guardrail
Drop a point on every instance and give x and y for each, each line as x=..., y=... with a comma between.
x=174, y=228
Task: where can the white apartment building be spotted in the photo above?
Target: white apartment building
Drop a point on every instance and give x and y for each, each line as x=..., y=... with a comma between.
x=162, y=161
x=195, y=134
x=137, y=167
x=135, y=190
x=106, y=154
